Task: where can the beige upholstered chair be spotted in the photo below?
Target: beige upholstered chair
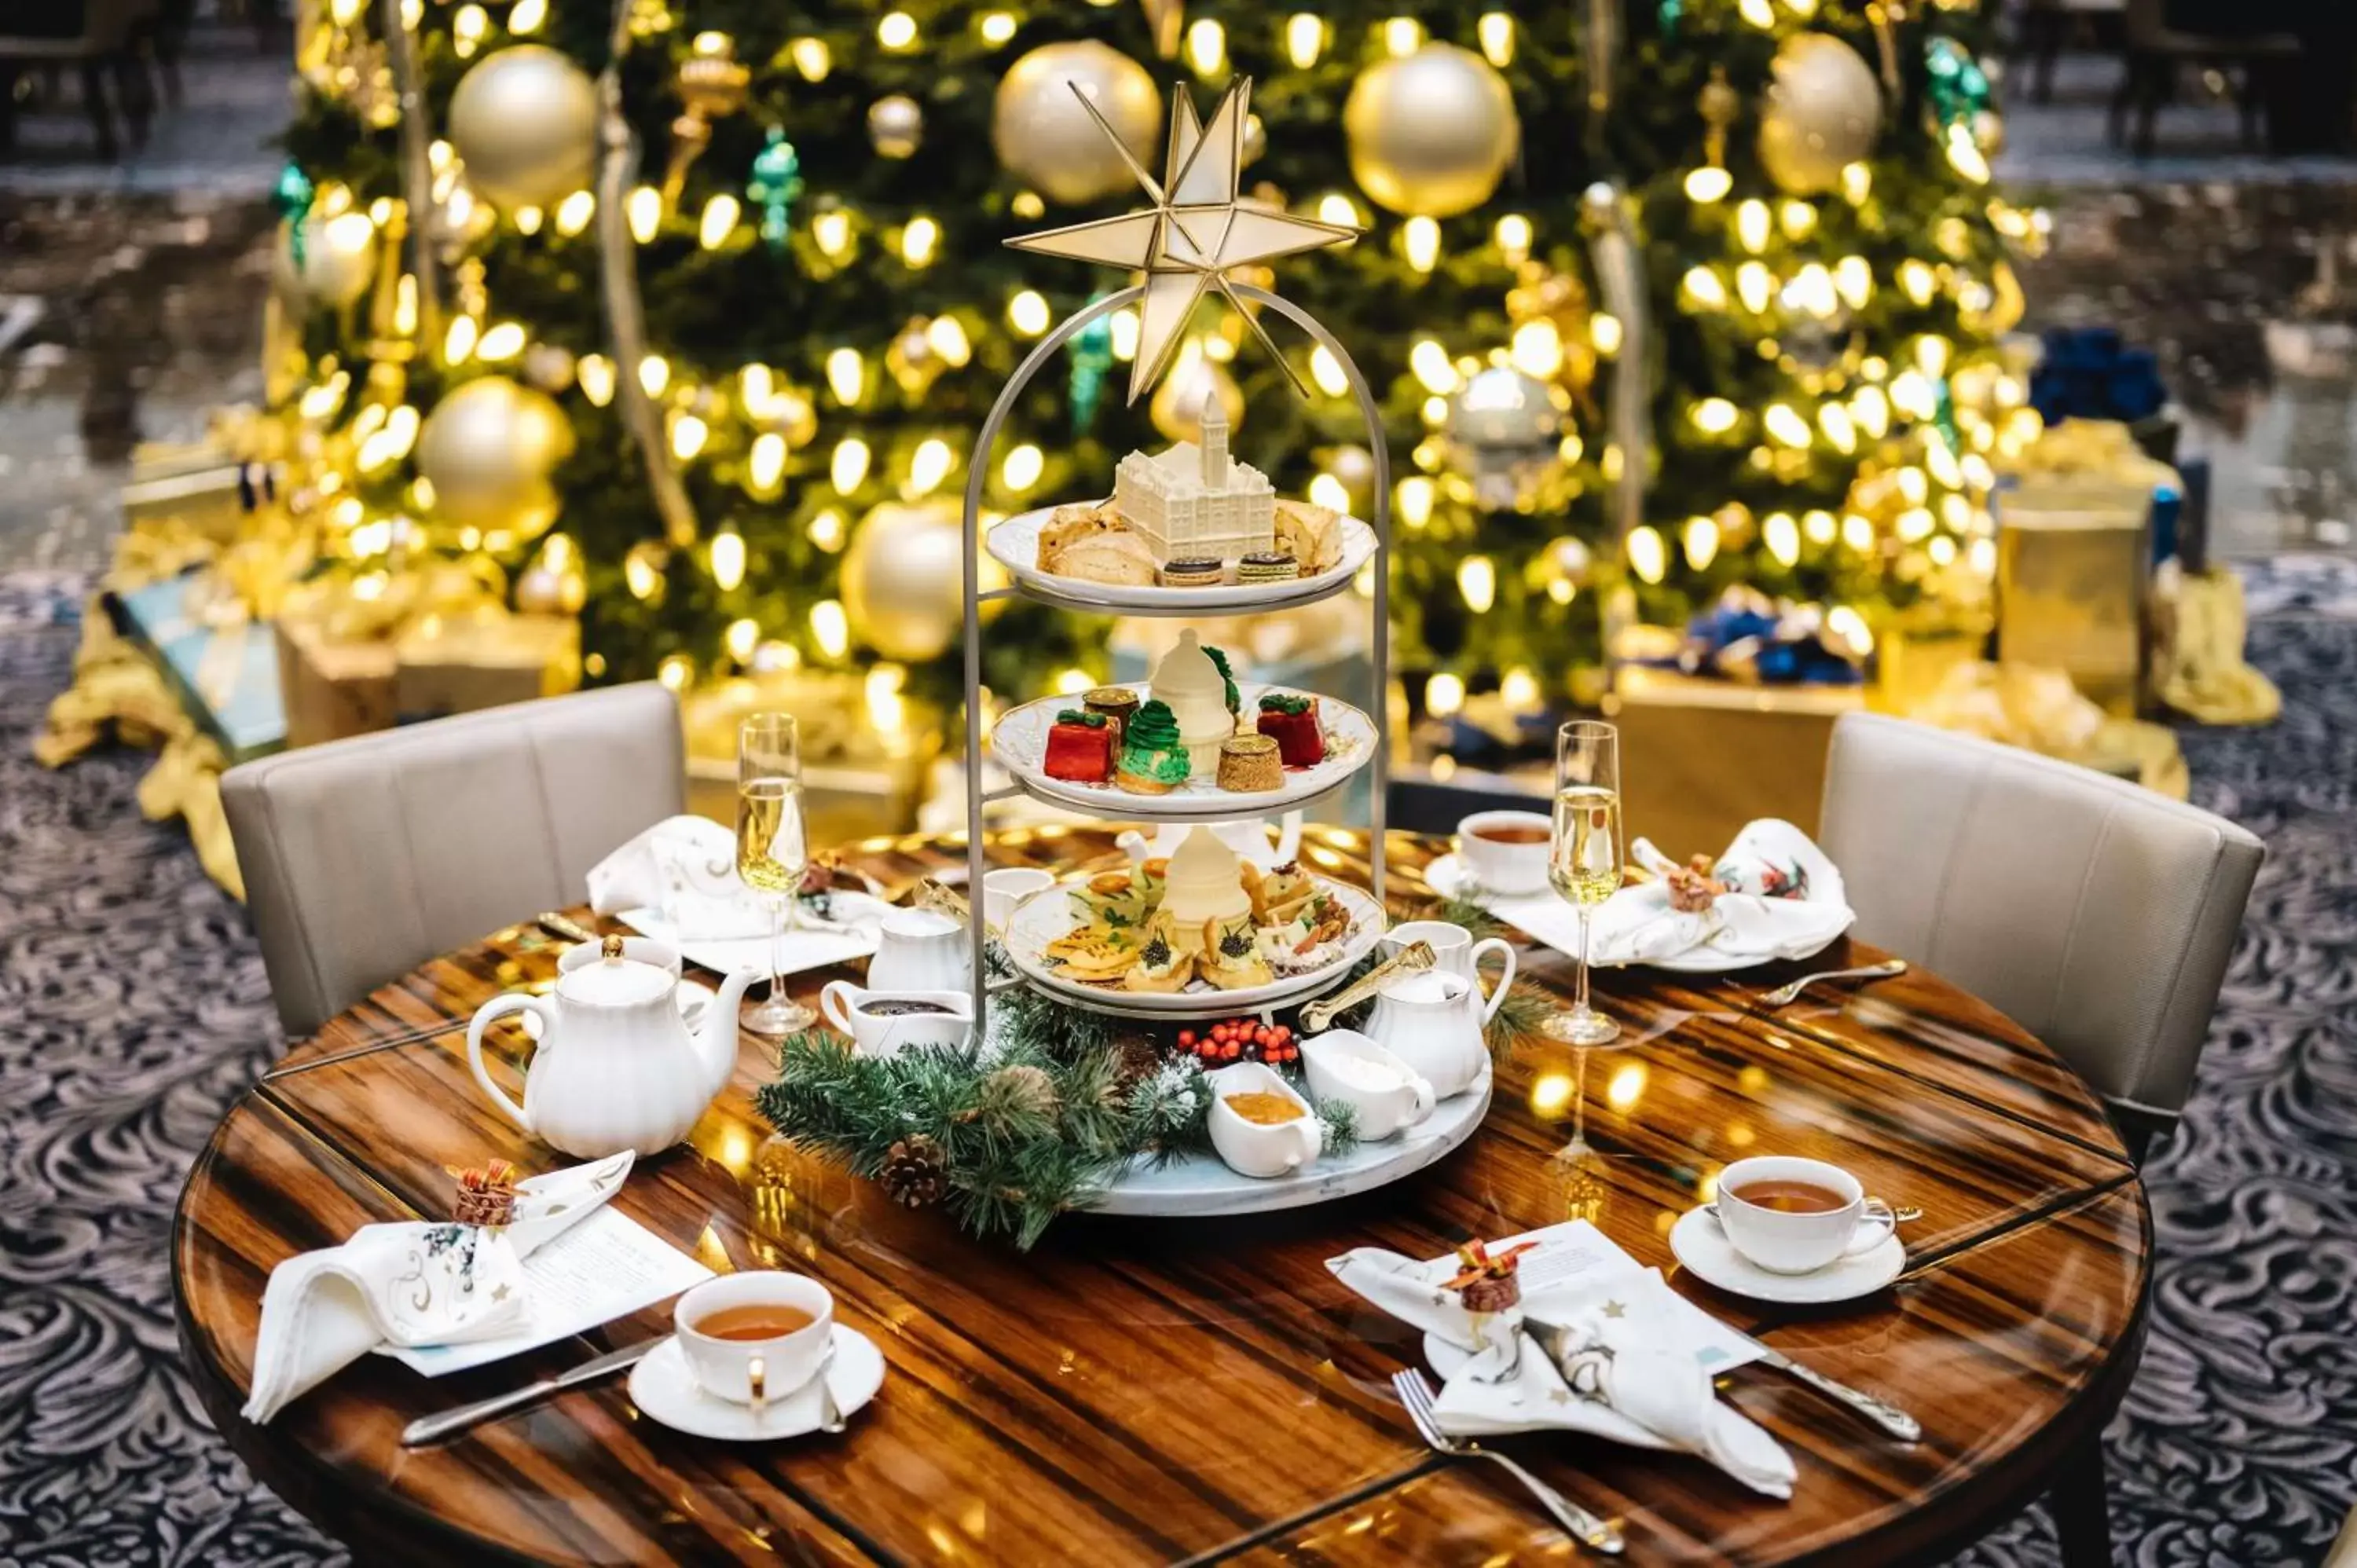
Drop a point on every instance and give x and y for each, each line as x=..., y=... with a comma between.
x=2097, y=915
x=363, y=858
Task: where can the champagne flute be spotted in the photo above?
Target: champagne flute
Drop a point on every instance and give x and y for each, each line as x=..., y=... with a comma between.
x=771, y=850
x=1583, y=861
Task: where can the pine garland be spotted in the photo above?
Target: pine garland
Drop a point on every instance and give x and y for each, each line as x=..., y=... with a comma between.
x=1041, y=1126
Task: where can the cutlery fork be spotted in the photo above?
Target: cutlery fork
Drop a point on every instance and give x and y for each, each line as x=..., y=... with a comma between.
x=1416, y=1396
x=1783, y=993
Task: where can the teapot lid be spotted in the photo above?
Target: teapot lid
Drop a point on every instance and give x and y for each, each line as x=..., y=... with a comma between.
x=1424, y=985
x=614, y=981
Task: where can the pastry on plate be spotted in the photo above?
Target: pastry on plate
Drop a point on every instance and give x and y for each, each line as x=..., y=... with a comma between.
x=1153, y=758
x=1285, y=892
x=1118, y=899
x=1119, y=559
x=1079, y=748
x=1311, y=535
x=1095, y=955
x=1116, y=703
x=1203, y=574
x=1268, y=566
x=1290, y=719
x=1159, y=969
x=1232, y=958
x=1249, y=763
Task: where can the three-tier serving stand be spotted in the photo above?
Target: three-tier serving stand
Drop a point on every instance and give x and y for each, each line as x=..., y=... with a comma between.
x=1073, y=595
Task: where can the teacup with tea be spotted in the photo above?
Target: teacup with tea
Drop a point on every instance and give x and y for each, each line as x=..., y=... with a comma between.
x=885, y=1022
x=1794, y=1215
x=1506, y=852
x=754, y=1337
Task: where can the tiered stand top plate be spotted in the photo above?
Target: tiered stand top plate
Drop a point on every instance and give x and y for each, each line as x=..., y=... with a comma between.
x=1048, y=914
x=1014, y=544
x=1019, y=743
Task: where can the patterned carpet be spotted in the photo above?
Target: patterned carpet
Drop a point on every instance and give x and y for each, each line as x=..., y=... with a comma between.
x=137, y=1010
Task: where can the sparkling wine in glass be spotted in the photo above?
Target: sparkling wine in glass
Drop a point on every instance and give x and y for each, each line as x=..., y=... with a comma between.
x=771, y=850
x=1584, y=859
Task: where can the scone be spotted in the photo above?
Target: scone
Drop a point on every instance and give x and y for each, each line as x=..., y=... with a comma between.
x=1120, y=559
x=1312, y=535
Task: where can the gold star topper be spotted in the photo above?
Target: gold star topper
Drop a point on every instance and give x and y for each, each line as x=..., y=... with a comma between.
x=1196, y=230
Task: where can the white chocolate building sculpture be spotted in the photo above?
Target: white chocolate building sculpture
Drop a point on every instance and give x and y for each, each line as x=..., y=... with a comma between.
x=1196, y=503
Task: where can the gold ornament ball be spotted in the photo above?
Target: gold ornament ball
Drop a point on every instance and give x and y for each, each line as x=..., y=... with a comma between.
x=545, y=588
x=904, y=580
x=1177, y=406
x=338, y=259
x=1823, y=112
x=1431, y=133
x=548, y=367
x=1046, y=139
x=525, y=123
x=487, y=449
x=896, y=125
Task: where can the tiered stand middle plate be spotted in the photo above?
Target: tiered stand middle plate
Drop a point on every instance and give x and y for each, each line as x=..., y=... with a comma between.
x=1201, y=1185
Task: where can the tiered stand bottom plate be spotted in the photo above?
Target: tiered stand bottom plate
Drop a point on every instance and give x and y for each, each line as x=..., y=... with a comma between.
x=1200, y=1185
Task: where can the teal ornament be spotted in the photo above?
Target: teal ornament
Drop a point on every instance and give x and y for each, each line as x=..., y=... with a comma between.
x=1092, y=354
x=1954, y=85
x=775, y=184
x=291, y=199
x=1669, y=13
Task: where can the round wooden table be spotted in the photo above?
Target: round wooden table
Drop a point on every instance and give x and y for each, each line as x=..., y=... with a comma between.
x=1199, y=1390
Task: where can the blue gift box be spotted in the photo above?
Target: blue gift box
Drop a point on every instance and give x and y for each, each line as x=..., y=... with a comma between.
x=226, y=678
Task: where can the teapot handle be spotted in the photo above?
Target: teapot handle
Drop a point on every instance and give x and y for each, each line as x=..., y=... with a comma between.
x=497, y=1007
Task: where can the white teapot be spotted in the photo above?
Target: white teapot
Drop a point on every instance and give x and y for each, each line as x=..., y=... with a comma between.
x=616, y=1068
x=1432, y=1020
x=920, y=949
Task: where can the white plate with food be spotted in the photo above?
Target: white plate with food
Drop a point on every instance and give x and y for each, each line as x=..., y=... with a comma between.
x=1062, y=764
x=1083, y=553
x=1198, y=936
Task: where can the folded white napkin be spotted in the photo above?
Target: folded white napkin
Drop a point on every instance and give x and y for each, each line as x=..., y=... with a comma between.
x=681, y=873
x=1785, y=899
x=1628, y=1373
x=410, y=1285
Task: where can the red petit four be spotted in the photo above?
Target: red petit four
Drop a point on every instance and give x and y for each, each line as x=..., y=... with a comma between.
x=1291, y=720
x=1079, y=748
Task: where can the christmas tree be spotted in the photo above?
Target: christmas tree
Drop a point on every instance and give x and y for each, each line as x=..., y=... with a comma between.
x=691, y=307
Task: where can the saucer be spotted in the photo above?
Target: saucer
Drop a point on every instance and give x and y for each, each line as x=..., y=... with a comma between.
x=663, y=1387
x=1705, y=1251
x=1449, y=877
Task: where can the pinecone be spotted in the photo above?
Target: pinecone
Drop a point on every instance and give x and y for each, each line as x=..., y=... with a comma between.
x=1140, y=1056
x=915, y=1176
x=1020, y=1092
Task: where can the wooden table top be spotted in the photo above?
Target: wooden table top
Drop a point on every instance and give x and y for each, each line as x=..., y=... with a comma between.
x=1154, y=1390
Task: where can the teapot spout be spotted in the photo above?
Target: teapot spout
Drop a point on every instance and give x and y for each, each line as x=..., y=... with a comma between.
x=716, y=1038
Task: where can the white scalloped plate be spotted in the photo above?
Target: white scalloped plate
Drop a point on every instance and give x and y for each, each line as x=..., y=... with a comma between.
x=1019, y=741
x=1015, y=545
x=1048, y=914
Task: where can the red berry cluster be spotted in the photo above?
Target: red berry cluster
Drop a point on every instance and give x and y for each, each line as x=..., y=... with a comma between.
x=1241, y=1040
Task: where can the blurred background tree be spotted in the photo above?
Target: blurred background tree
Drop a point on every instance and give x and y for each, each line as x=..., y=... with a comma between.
x=1661, y=296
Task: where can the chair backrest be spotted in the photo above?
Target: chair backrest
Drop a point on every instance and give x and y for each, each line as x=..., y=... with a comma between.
x=2097, y=915
x=363, y=858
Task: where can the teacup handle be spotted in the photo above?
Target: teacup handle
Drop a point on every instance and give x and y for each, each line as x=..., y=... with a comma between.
x=1422, y=1088
x=499, y=1007
x=1506, y=950
x=1874, y=1221
x=834, y=1001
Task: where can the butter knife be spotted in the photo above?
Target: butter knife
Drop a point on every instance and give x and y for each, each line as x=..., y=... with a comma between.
x=431, y=1428
x=1880, y=1413
x=561, y=925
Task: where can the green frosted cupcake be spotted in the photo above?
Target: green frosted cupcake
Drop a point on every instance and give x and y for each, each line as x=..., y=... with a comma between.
x=1153, y=758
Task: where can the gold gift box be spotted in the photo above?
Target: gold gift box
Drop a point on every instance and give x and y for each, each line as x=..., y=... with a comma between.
x=484, y=658
x=1700, y=756
x=333, y=687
